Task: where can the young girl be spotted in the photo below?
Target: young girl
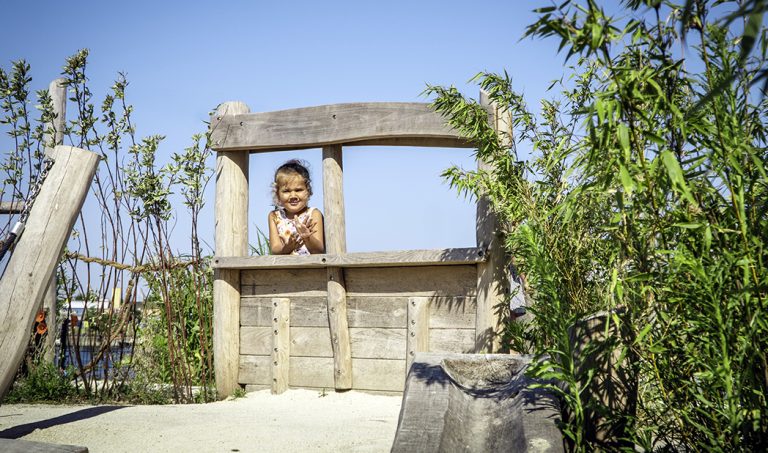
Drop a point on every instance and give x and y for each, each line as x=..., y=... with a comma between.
x=294, y=227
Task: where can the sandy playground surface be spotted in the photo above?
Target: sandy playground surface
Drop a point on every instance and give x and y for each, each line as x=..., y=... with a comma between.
x=296, y=421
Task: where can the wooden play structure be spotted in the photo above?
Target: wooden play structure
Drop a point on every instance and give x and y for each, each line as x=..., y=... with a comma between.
x=341, y=320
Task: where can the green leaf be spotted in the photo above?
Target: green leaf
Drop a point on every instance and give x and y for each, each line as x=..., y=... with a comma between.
x=675, y=173
x=655, y=138
x=626, y=179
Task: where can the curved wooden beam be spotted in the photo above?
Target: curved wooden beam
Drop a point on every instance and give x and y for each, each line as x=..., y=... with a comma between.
x=372, y=123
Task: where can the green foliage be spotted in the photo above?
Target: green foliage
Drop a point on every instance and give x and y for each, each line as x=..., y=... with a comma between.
x=645, y=191
x=262, y=244
x=189, y=326
x=133, y=195
x=44, y=382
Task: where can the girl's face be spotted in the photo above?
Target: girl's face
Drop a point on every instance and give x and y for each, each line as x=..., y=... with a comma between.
x=292, y=194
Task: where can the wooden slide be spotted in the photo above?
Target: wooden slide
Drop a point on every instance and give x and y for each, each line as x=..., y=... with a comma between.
x=37, y=253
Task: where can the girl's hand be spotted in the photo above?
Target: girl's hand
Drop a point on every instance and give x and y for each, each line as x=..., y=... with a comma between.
x=307, y=229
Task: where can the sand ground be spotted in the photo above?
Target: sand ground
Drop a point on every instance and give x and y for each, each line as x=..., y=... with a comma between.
x=296, y=421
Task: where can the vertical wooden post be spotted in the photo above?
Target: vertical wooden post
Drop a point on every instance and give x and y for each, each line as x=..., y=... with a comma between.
x=336, y=242
x=600, y=345
x=281, y=343
x=490, y=273
x=37, y=252
x=231, y=217
x=58, y=93
x=418, y=328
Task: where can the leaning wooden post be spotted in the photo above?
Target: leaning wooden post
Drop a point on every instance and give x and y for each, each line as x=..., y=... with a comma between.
x=231, y=217
x=58, y=92
x=490, y=272
x=336, y=242
x=37, y=252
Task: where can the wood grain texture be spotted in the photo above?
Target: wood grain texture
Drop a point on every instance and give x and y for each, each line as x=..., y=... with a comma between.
x=313, y=127
x=231, y=239
x=339, y=326
x=281, y=343
x=438, y=257
x=366, y=343
x=11, y=207
x=420, y=281
x=491, y=274
x=362, y=311
x=37, y=251
x=54, y=136
x=317, y=372
x=333, y=200
x=452, y=340
x=418, y=327
x=310, y=311
x=284, y=282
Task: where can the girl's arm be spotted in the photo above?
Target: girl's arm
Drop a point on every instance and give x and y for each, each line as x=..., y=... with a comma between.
x=276, y=244
x=314, y=239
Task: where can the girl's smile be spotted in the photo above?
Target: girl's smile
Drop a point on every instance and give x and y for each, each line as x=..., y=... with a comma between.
x=293, y=195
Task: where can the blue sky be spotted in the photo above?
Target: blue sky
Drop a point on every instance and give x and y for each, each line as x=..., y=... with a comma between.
x=184, y=58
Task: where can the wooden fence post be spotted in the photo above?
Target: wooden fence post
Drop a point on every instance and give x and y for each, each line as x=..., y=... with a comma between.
x=58, y=93
x=231, y=217
x=418, y=328
x=281, y=343
x=336, y=242
x=37, y=252
x=491, y=273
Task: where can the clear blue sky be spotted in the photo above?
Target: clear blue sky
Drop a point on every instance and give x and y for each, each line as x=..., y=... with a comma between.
x=182, y=58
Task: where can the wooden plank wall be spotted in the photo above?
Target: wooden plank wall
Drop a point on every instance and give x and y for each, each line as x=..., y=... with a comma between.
x=378, y=317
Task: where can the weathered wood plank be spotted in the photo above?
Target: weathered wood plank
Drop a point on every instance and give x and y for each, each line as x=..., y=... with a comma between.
x=11, y=207
x=418, y=327
x=317, y=372
x=377, y=343
x=421, y=281
x=387, y=375
x=305, y=311
x=452, y=312
x=37, y=251
x=366, y=343
x=231, y=231
x=281, y=343
x=284, y=282
x=452, y=340
x=377, y=311
x=362, y=311
x=438, y=257
x=373, y=123
x=255, y=369
x=257, y=340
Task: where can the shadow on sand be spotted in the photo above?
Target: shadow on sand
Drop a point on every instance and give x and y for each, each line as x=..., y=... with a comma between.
x=22, y=430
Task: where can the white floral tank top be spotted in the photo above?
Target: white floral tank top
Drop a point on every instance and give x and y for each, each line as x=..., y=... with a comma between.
x=286, y=228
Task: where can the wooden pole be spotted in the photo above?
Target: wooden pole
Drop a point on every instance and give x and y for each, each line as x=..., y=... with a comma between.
x=336, y=243
x=37, y=252
x=418, y=328
x=281, y=343
x=58, y=93
x=231, y=217
x=491, y=273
